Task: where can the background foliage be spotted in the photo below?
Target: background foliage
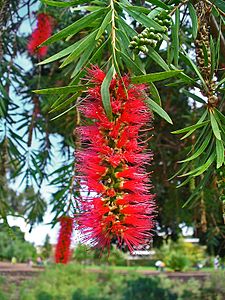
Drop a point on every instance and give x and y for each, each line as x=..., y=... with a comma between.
x=183, y=66
x=73, y=282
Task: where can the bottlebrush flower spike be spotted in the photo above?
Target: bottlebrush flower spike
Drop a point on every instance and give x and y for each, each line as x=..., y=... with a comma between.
x=111, y=165
x=41, y=33
x=62, y=251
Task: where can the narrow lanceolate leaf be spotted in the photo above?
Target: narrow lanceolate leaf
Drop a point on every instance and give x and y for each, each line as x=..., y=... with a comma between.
x=155, y=76
x=141, y=18
x=175, y=37
x=62, y=90
x=219, y=153
x=220, y=4
x=63, y=4
x=193, y=96
x=199, y=170
x=190, y=63
x=130, y=63
x=105, y=22
x=105, y=92
x=220, y=82
x=220, y=116
x=199, y=122
x=87, y=42
x=200, y=150
x=193, y=127
x=215, y=126
x=74, y=28
x=158, y=3
x=59, y=55
x=194, y=20
x=159, y=110
x=157, y=58
x=154, y=93
x=206, y=165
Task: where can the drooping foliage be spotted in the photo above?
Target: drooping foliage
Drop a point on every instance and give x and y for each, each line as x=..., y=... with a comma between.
x=176, y=48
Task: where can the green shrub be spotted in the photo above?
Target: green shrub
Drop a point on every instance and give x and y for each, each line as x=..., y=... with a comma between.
x=71, y=282
x=177, y=261
x=149, y=288
x=86, y=255
x=214, y=287
x=83, y=254
x=180, y=255
x=15, y=245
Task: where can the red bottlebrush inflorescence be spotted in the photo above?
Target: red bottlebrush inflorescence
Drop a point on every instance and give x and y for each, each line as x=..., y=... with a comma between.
x=62, y=251
x=41, y=33
x=117, y=203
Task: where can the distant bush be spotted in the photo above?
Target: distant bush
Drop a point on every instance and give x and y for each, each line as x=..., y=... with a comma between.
x=73, y=282
x=14, y=245
x=214, y=288
x=180, y=255
x=86, y=255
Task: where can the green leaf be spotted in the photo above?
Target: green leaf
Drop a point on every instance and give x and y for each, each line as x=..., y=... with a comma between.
x=154, y=93
x=104, y=24
x=155, y=76
x=87, y=42
x=157, y=58
x=59, y=55
x=199, y=122
x=175, y=37
x=206, y=165
x=64, y=89
x=129, y=30
x=220, y=115
x=130, y=63
x=141, y=18
x=215, y=126
x=65, y=103
x=190, y=63
x=199, y=170
x=83, y=59
x=74, y=28
x=220, y=4
x=63, y=113
x=158, y=4
x=158, y=109
x=220, y=82
x=194, y=20
x=63, y=4
x=105, y=92
x=219, y=153
x=192, y=127
x=200, y=150
x=193, y=96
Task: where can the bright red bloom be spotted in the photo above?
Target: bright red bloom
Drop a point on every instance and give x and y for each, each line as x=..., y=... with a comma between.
x=117, y=202
x=62, y=251
x=41, y=33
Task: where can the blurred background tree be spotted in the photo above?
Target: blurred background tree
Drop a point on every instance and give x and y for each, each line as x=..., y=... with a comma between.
x=37, y=137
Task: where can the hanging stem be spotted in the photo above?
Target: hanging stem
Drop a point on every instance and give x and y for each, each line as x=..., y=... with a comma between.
x=113, y=35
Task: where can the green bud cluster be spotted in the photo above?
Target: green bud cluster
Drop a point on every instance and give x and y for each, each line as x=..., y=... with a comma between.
x=150, y=36
x=100, y=41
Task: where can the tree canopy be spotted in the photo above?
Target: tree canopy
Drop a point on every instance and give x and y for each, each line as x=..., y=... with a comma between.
x=174, y=47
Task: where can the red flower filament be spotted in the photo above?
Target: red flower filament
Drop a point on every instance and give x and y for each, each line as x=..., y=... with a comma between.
x=62, y=251
x=112, y=165
x=41, y=33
